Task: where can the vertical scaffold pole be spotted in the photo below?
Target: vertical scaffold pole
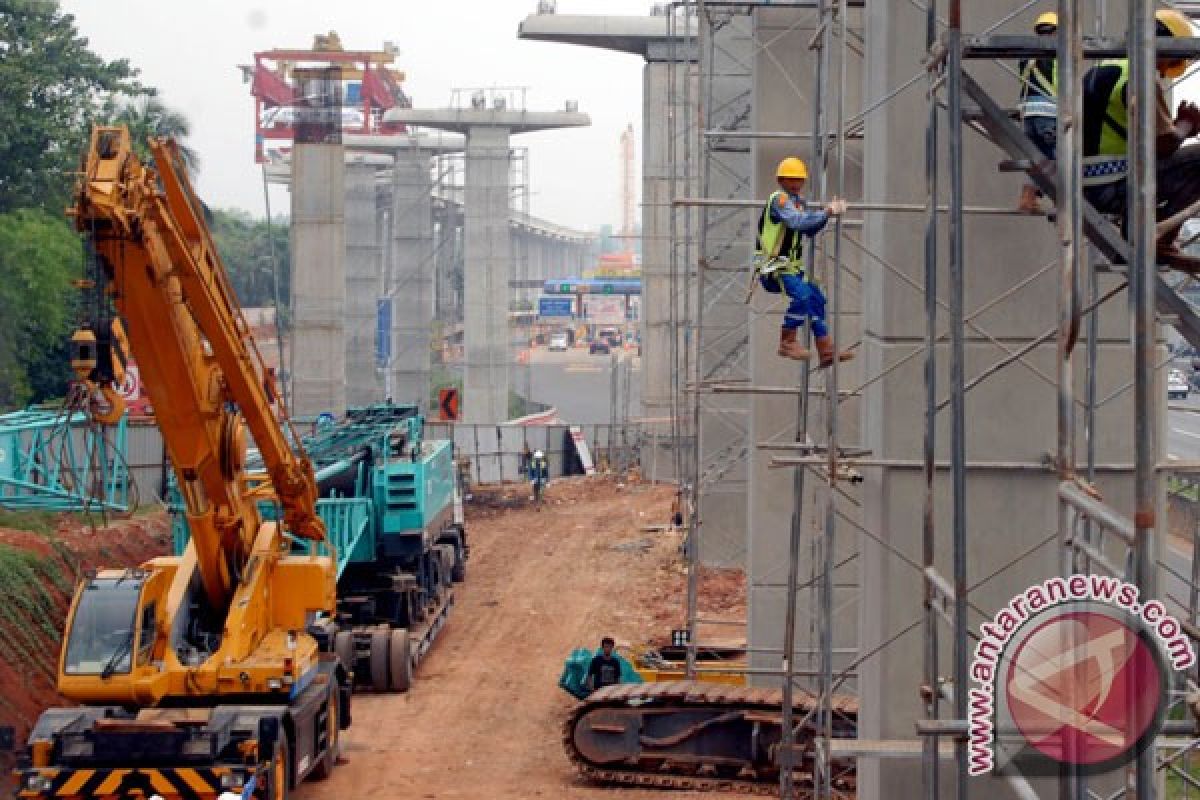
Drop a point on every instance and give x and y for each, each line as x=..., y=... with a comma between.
x=1141, y=192
x=958, y=441
x=1069, y=138
x=816, y=189
x=929, y=754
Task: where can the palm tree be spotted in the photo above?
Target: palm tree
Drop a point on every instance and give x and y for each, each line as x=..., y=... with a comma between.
x=147, y=116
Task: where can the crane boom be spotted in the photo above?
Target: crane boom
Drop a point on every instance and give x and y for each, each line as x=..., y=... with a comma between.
x=195, y=351
x=213, y=670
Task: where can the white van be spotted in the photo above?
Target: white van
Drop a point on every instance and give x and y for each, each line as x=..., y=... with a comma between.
x=558, y=341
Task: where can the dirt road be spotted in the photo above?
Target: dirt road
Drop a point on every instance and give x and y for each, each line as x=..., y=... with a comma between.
x=485, y=714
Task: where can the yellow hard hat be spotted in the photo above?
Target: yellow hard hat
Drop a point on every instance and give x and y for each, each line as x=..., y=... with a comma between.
x=1174, y=23
x=1046, y=18
x=792, y=167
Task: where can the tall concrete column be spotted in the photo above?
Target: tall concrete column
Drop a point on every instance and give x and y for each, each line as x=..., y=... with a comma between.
x=784, y=78
x=1010, y=417
x=410, y=288
x=656, y=325
x=487, y=242
x=649, y=37
x=488, y=259
x=318, y=280
x=364, y=265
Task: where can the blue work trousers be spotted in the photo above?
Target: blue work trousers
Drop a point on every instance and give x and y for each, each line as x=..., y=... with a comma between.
x=807, y=301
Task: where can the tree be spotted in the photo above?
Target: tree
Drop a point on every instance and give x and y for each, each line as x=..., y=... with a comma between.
x=247, y=252
x=51, y=88
x=39, y=256
x=147, y=116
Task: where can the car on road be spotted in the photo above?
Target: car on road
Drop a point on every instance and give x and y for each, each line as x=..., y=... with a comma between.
x=558, y=342
x=599, y=346
x=1177, y=385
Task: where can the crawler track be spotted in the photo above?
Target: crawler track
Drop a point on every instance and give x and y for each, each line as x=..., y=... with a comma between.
x=694, y=735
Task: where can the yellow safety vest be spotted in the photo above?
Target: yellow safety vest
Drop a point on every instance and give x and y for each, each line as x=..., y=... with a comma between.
x=1113, y=130
x=777, y=239
x=1109, y=164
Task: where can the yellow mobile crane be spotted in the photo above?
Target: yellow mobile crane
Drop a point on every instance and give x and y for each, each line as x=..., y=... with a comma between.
x=210, y=672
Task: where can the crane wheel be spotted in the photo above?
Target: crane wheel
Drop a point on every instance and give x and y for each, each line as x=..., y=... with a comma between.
x=277, y=779
x=400, y=664
x=446, y=559
x=379, y=660
x=343, y=646
x=327, y=761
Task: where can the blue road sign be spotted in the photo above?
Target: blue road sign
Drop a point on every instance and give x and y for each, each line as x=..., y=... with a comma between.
x=554, y=306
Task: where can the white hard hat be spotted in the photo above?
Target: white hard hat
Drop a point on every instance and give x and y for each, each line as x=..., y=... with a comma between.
x=538, y=454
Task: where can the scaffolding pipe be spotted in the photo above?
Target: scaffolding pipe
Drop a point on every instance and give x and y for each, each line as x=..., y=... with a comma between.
x=958, y=432
x=796, y=531
x=930, y=755
x=1069, y=137
x=825, y=696
x=1141, y=191
x=909, y=208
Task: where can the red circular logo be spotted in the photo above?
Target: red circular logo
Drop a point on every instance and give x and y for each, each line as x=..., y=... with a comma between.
x=1084, y=688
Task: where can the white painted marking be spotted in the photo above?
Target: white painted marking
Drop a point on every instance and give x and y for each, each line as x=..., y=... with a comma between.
x=1185, y=433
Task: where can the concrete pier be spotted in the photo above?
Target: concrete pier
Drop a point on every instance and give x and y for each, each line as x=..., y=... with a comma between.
x=487, y=246
x=364, y=269
x=318, y=284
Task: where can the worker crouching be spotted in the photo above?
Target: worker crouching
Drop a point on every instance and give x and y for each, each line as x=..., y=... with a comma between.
x=782, y=226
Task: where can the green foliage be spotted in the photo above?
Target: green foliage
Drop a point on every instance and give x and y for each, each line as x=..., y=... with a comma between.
x=39, y=256
x=43, y=522
x=27, y=609
x=51, y=87
x=246, y=250
x=147, y=116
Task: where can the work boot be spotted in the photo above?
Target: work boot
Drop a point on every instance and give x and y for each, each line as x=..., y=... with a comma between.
x=789, y=347
x=826, y=351
x=1028, y=204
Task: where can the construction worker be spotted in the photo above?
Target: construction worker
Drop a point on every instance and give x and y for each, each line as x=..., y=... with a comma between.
x=1039, y=107
x=1105, y=141
x=605, y=669
x=779, y=256
x=539, y=474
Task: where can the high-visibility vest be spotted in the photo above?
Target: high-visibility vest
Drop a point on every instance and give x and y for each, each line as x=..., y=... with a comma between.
x=777, y=239
x=1109, y=163
x=1114, y=136
x=1039, y=92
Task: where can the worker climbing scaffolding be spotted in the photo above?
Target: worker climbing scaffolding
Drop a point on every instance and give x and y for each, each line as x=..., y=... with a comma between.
x=1039, y=108
x=1106, y=143
x=779, y=261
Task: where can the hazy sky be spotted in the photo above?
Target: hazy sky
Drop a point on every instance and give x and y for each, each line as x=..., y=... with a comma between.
x=191, y=50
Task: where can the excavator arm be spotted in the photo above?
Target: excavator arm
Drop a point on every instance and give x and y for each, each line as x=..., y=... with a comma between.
x=197, y=358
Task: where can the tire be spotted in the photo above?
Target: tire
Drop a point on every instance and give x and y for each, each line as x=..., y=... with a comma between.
x=446, y=554
x=343, y=646
x=327, y=761
x=459, y=573
x=400, y=665
x=379, y=660
x=277, y=778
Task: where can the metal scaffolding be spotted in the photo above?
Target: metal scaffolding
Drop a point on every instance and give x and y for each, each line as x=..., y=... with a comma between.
x=707, y=225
